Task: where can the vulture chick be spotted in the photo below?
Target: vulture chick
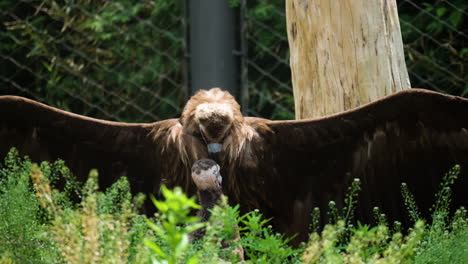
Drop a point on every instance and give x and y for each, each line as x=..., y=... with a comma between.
x=207, y=178
x=283, y=168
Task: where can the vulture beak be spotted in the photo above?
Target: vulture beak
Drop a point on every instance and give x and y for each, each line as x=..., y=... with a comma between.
x=214, y=123
x=214, y=148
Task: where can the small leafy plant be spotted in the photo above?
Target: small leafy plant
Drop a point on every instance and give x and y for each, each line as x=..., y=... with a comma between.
x=262, y=244
x=173, y=227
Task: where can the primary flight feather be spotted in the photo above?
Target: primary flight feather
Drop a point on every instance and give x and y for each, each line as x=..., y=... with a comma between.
x=283, y=168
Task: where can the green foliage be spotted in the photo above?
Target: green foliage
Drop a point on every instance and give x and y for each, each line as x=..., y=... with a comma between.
x=450, y=248
x=441, y=209
x=332, y=213
x=174, y=226
x=410, y=203
x=23, y=233
x=116, y=199
x=221, y=239
x=270, y=88
x=435, y=45
x=96, y=231
x=116, y=59
x=42, y=224
x=380, y=218
x=351, y=201
x=443, y=241
x=261, y=243
x=60, y=175
x=335, y=214
x=366, y=245
x=315, y=223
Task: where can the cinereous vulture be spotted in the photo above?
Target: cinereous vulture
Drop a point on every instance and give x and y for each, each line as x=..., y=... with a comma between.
x=283, y=168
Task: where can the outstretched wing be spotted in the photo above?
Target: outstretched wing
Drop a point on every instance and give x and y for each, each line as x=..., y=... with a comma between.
x=414, y=136
x=115, y=149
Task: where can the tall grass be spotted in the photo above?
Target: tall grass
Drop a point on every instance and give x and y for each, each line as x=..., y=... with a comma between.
x=48, y=217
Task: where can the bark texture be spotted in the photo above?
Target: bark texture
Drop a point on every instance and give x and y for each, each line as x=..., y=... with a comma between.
x=343, y=54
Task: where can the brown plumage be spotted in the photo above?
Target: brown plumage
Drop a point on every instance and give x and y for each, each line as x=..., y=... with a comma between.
x=283, y=168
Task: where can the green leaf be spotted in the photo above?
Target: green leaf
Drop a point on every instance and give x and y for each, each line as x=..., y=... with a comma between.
x=455, y=18
x=155, y=248
x=182, y=245
x=193, y=260
x=441, y=11
x=194, y=227
x=163, y=207
x=464, y=52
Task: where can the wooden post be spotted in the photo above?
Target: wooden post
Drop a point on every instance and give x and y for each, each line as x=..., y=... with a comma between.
x=343, y=54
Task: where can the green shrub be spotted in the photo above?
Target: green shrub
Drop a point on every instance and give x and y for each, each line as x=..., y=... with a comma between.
x=261, y=244
x=448, y=246
x=173, y=227
x=41, y=222
x=104, y=228
x=221, y=239
x=23, y=229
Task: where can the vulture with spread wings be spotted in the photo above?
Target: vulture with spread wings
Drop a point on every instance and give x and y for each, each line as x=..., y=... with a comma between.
x=283, y=168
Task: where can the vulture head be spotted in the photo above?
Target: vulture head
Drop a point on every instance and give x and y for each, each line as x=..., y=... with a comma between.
x=211, y=114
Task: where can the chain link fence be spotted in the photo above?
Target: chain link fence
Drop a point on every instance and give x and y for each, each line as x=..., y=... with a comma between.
x=269, y=75
x=436, y=44
x=126, y=60
x=118, y=60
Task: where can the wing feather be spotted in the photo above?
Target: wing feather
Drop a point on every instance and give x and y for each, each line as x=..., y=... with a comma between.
x=115, y=149
x=413, y=136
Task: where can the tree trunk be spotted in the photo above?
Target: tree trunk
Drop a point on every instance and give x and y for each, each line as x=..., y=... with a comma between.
x=343, y=54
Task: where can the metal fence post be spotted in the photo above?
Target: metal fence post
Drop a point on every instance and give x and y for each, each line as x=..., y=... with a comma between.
x=214, y=45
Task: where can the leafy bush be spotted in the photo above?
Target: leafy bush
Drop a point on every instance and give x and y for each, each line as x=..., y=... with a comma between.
x=42, y=224
x=23, y=230
x=104, y=228
x=173, y=227
x=442, y=241
x=262, y=244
